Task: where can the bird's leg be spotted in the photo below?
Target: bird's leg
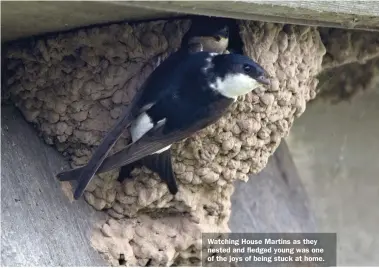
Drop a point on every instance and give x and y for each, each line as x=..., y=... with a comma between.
x=126, y=170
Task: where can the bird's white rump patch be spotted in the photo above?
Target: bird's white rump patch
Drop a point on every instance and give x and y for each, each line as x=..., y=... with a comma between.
x=234, y=85
x=140, y=126
x=143, y=124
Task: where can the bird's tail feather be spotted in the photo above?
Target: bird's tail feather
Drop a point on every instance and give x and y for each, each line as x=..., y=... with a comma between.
x=85, y=174
x=161, y=164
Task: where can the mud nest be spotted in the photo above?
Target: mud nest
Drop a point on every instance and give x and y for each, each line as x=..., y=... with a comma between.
x=73, y=87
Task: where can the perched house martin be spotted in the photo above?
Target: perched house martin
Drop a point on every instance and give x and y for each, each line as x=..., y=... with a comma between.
x=172, y=105
x=205, y=34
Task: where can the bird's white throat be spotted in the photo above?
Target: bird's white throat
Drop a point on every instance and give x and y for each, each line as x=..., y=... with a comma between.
x=235, y=85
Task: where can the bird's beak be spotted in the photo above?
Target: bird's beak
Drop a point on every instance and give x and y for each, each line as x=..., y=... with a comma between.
x=263, y=80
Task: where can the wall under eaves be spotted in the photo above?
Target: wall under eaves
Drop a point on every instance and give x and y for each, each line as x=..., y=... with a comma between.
x=73, y=86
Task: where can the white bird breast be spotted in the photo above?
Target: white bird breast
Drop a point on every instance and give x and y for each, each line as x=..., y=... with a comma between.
x=140, y=126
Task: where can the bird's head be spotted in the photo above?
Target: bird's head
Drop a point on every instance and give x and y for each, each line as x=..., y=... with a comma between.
x=211, y=35
x=235, y=75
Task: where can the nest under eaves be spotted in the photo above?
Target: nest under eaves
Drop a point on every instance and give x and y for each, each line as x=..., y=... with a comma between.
x=73, y=87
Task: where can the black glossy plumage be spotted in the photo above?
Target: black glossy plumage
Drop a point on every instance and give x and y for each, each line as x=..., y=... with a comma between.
x=211, y=41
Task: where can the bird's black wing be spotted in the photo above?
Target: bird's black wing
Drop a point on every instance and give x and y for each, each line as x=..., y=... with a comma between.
x=154, y=140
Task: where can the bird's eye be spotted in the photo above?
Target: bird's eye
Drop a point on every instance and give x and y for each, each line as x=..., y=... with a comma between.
x=217, y=38
x=247, y=68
